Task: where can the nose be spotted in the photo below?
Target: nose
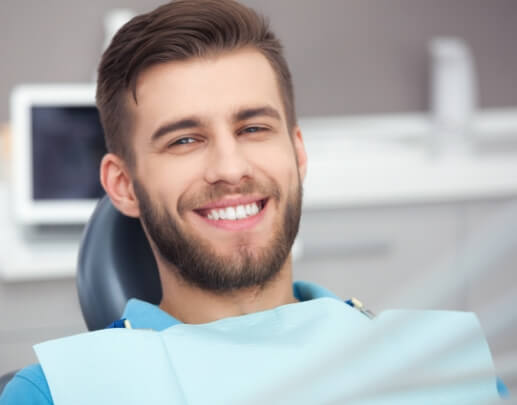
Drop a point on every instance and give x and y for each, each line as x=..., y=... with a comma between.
x=227, y=161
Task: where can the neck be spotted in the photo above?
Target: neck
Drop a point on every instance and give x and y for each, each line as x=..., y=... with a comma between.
x=207, y=306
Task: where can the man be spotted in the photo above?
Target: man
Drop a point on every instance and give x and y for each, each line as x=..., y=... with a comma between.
x=197, y=106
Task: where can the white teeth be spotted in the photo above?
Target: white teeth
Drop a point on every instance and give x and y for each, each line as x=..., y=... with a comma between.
x=240, y=212
x=234, y=213
x=230, y=213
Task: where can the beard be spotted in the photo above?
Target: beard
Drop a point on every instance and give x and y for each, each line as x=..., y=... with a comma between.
x=195, y=260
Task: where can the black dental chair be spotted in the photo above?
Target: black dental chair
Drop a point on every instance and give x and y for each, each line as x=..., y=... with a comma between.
x=115, y=264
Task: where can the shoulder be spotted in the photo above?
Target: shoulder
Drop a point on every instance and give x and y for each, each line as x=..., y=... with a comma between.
x=28, y=387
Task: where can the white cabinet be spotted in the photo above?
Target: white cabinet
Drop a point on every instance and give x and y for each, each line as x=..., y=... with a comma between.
x=383, y=256
x=32, y=312
x=492, y=290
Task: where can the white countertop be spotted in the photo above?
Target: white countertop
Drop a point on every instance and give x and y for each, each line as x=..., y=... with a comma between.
x=400, y=160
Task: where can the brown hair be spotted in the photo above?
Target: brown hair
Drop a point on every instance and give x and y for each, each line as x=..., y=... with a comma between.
x=178, y=31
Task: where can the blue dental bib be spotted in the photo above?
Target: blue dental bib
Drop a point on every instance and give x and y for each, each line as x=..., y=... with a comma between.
x=314, y=352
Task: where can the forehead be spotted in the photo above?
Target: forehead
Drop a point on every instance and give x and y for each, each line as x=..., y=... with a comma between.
x=210, y=88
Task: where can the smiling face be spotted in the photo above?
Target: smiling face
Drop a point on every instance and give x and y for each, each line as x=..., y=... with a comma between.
x=217, y=173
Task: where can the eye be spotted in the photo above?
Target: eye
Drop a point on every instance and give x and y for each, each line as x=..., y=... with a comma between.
x=252, y=130
x=182, y=141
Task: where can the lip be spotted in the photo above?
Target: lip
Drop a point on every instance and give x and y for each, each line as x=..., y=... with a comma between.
x=239, y=224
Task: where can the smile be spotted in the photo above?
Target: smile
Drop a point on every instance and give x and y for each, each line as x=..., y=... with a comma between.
x=234, y=216
x=234, y=213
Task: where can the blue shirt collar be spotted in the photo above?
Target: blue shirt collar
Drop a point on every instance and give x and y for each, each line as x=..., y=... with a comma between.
x=144, y=315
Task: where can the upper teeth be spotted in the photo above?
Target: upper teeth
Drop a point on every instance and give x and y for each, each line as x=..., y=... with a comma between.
x=233, y=213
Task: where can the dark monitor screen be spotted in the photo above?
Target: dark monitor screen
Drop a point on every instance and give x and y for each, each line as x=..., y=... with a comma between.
x=67, y=147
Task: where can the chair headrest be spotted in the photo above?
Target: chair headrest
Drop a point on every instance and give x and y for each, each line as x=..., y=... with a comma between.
x=115, y=264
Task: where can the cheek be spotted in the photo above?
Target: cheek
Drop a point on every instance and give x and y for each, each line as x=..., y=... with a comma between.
x=166, y=181
x=278, y=153
x=278, y=164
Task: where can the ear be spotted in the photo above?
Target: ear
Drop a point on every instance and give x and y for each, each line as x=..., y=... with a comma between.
x=299, y=150
x=116, y=181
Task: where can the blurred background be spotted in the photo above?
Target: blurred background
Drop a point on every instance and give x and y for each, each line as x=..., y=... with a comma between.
x=347, y=56
x=409, y=110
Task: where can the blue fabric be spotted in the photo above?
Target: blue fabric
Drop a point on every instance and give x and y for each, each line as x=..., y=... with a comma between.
x=501, y=388
x=119, y=323
x=144, y=315
x=29, y=386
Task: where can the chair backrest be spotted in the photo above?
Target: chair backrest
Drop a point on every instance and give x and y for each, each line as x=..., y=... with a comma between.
x=115, y=264
x=4, y=380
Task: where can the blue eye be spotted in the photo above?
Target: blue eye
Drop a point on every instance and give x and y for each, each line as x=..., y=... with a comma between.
x=252, y=130
x=183, y=141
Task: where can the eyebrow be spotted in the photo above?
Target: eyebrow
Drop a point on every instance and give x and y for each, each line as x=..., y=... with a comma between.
x=185, y=123
x=248, y=113
x=193, y=122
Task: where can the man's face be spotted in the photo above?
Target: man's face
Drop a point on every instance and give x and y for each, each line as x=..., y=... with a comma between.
x=217, y=175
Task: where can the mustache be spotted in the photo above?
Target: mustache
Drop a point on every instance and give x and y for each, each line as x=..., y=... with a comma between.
x=218, y=191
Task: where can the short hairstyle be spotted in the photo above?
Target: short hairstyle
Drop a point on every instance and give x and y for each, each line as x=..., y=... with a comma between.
x=178, y=31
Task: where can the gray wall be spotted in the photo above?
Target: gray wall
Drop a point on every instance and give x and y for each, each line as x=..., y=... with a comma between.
x=347, y=56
